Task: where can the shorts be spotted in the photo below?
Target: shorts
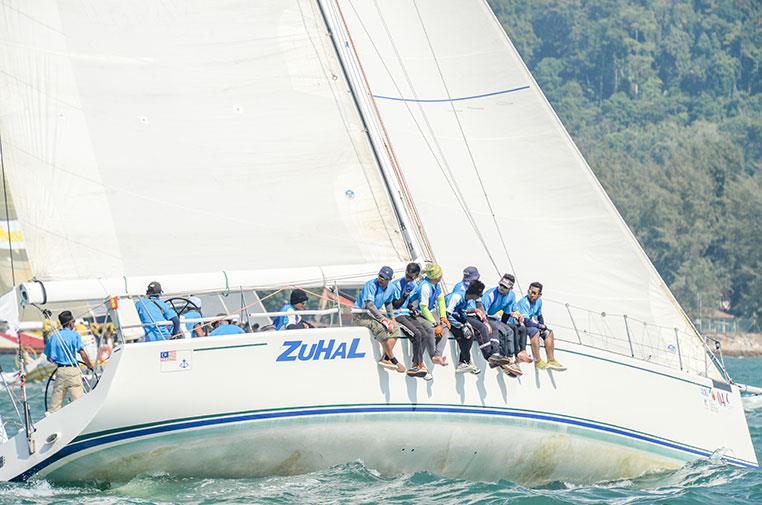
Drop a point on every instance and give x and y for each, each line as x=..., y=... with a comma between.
x=377, y=329
x=533, y=330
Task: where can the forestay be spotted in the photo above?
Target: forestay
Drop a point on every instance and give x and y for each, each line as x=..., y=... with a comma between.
x=148, y=137
x=496, y=179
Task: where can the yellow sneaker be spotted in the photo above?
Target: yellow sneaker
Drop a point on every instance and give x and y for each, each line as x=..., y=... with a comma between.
x=540, y=365
x=555, y=365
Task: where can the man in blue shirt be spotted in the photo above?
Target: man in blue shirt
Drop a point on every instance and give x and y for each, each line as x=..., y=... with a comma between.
x=457, y=313
x=224, y=326
x=62, y=349
x=373, y=298
x=470, y=274
x=499, y=303
x=400, y=291
x=196, y=329
x=530, y=309
x=293, y=321
x=152, y=311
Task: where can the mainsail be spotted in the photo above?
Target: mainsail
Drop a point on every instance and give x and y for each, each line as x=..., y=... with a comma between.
x=496, y=179
x=146, y=137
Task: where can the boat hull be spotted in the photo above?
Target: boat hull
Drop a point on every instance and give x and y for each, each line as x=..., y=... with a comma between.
x=293, y=402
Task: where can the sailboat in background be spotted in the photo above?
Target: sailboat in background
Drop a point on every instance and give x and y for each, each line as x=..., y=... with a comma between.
x=255, y=146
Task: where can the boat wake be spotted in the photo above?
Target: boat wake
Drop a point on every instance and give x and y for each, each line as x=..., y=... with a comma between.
x=704, y=481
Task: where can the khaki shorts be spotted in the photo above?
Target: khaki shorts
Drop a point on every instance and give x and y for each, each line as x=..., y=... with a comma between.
x=376, y=328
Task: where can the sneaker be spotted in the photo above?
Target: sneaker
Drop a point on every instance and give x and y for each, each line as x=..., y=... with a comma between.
x=400, y=367
x=555, y=365
x=472, y=369
x=463, y=367
x=428, y=377
x=421, y=371
x=385, y=363
x=541, y=365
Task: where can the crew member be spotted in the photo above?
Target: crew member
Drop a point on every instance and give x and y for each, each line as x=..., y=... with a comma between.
x=530, y=308
x=374, y=298
x=499, y=303
x=153, y=311
x=62, y=349
x=293, y=321
x=424, y=299
x=196, y=329
x=457, y=307
x=416, y=329
x=224, y=326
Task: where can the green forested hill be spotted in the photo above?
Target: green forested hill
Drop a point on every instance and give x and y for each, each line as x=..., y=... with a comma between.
x=663, y=98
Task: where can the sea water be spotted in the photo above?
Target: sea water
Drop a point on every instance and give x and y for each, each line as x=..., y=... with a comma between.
x=699, y=482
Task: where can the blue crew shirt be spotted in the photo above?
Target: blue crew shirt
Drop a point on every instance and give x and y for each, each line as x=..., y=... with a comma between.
x=374, y=292
x=192, y=314
x=282, y=322
x=400, y=288
x=226, y=329
x=426, y=294
x=63, y=346
x=463, y=285
x=457, y=306
x=532, y=312
x=152, y=310
x=494, y=302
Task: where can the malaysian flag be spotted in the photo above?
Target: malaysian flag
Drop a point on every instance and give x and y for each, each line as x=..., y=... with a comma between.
x=168, y=355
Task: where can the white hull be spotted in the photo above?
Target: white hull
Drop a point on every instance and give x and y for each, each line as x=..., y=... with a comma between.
x=237, y=410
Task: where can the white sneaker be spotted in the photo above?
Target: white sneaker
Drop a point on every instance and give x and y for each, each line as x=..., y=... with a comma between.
x=428, y=377
x=463, y=368
x=473, y=369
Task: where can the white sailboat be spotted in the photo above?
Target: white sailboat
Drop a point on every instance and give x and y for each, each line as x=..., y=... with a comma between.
x=306, y=143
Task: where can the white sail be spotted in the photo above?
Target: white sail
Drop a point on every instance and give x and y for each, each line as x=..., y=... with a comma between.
x=148, y=137
x=496, y=179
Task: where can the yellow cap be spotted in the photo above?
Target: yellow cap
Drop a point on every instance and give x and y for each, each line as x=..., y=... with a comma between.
x=433, y=271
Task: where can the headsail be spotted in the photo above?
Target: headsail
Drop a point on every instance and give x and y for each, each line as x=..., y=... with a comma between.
x=498, y=182
x=150, y=138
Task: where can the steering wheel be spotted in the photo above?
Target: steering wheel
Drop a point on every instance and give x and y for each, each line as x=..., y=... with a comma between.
x=182, y=305
x=52, y=378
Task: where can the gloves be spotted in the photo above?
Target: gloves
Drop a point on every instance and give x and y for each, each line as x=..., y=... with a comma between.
x=468, y=331
x=542, y=327
x=438, y=330
x=445, y=322
x=388, y=325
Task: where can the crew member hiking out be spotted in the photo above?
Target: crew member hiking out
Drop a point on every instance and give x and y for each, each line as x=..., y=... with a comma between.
x=293, y=321
x=530, y=308
x=373, y=298
x=62, y=348
x=457, y=313
x=414, y=328
x=427, y=303
x=153, y=312
x=499, y=303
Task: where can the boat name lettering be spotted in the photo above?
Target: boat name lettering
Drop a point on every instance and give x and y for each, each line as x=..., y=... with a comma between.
x=298, y=350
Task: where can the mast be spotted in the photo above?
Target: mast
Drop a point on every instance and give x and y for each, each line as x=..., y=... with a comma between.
x=414, y=246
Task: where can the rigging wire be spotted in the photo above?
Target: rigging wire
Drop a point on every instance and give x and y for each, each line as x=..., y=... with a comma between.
x=436, y=150
x=466, y=144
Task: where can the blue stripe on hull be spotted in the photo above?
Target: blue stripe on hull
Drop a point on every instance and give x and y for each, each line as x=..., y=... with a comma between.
x=138, y=433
